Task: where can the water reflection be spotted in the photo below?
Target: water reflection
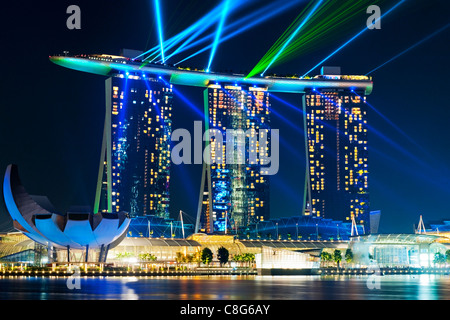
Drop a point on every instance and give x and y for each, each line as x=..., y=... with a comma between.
x=392, y=287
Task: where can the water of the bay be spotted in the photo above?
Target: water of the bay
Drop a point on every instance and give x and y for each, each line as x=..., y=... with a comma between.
x=389, y=287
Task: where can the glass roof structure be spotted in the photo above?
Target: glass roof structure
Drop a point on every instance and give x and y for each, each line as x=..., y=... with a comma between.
x=398, y=238
x=136, y=242
x=293, y=244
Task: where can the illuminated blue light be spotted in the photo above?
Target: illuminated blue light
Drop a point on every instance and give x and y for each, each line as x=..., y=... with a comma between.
x=383, y=136
x=393, y=124
x=293, y=35
x=248, y=21
x=244, y=24
x=410, y=48
x=185, y=100
x=218, y=32
x=159, y=24
x=167, y=44
x=155, y=105
x=201, y=25
x=353, y=38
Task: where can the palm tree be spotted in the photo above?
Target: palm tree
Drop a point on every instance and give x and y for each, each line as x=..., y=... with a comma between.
x=439, y=258
x=348, y=256
x=189, y=258
x=179, y=257
x=325, y=257
x=124, y=255
x=249, y=258
x=337, y=257
x=237, y=258
x=147, y=257
x=447, y=256
x=197, y=257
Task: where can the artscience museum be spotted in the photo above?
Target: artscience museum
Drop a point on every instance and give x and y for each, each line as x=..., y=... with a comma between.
x=76, y=233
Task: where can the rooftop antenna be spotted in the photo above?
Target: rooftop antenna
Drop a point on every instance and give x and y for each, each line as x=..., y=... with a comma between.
x=421, y=227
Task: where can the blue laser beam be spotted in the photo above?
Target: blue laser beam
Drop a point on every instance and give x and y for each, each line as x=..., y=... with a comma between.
x=159, y=24
x=172, y=41
x=353, y=38
x=218, y=33
x=410, y=48
x=183, y=98
x=207, y=20
x=203, y=24
x=301, y=111
x=327, y=125
x=283, y=142
x=286, y=103
x=191, y=38
x=197, y=29
x=392, y=124
x=381, y=135
x=155, y=105
x=270, y=10
x=243, y=25
x=305, y=20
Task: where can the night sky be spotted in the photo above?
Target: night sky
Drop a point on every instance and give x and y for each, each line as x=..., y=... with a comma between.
x=51, y=118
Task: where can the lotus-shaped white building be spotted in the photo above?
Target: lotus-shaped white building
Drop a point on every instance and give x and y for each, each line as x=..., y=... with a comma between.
x=77, y=229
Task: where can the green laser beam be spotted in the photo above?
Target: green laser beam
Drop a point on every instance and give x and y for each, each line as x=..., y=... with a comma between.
x=331, y=21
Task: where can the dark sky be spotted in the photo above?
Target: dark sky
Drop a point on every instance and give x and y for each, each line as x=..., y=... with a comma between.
x=51, y=119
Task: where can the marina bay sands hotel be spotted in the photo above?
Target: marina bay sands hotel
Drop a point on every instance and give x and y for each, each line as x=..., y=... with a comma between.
x=135, y=163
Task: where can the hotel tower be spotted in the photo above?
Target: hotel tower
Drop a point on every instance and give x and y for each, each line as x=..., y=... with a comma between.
x=337, y=156
x=135, y=159
x=234, y=193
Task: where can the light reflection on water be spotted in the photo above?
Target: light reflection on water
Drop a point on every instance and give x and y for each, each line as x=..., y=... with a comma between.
x=392, y=287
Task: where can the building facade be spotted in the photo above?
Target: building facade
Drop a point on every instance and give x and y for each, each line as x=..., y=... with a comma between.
x=234, y=192
x=398, y=250
x=134, y=173
x=337, y=155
